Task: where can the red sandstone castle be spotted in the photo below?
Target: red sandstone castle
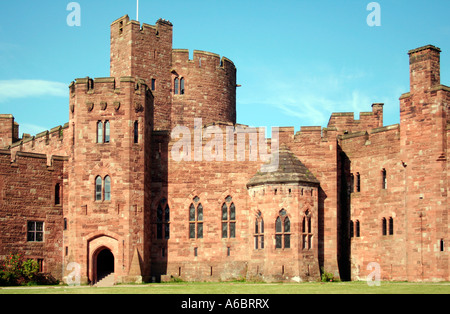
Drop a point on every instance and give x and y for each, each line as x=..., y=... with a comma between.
x=104, y=190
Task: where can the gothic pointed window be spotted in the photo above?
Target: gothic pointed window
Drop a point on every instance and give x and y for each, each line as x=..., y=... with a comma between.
x=99, y=132
x=107, y=189
x=107, y=132
x=98, y=189
x=228, y=219
x=196, y=220
x=307, y=232
x=182, y=86
x=163, y=220
x=176, y=86
x=391, y=226
x=282, y=231
x=259, y=232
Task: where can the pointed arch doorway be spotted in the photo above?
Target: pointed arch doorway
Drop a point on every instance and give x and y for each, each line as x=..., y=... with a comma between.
x=104, y=263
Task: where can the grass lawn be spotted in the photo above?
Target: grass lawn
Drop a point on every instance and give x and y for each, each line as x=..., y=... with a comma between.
x=243, y=288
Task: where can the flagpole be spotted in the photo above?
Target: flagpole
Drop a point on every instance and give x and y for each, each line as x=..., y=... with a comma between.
x=137, y=11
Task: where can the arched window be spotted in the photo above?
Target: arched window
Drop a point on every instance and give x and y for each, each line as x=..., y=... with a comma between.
x=98, y=188
x=176, y=86
x=357, y=231
x=228, y=219
x=384, y=226
x=391, y=226
x=163, y=220
x=107, y=189
x=107, y=132
x=182, y=86
x=196, y=220
x=99, y=132
x=283, y=231
x=259, y=232
x=307, y=234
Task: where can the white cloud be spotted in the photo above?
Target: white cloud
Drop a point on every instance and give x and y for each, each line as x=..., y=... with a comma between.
x=312, y=97
x=12, y=89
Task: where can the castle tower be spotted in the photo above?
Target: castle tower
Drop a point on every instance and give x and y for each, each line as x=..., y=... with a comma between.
x=184, y=89
x=424, y=134
x=146, y=53
x=289, y=197
x=111, y=121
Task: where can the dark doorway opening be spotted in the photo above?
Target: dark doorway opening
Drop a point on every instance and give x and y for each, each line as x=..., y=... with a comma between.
x=105, y=264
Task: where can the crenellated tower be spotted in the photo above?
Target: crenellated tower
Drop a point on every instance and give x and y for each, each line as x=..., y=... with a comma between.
x=111, y=121
x=424, y=133
x=184, y=89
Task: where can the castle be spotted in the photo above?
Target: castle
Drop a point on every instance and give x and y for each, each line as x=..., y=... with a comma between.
x=105, y=191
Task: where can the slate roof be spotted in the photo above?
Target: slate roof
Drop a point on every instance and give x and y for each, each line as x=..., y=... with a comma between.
x=290, y=170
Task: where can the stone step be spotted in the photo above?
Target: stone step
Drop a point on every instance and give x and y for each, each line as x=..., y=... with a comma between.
x=107, y=281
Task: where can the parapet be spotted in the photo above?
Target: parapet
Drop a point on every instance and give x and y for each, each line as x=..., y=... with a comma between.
x=201, y=59
x=106, y=84
x=48, y=160
x=345, y=122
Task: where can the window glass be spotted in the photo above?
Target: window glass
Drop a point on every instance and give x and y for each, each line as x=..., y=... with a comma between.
x=192, y=213
x=278, y=225
x=107, y=188
x=182, y=86
x=176, y=86
x=287, y=225
x=224, y=212
x=107, y=132
x=98, y=189
x=232, y=212
x=99, y=132
x=200, y=212
x=199, y=230
x=232, y=230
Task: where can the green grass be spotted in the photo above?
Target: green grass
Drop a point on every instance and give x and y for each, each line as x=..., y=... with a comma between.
x=243, y=288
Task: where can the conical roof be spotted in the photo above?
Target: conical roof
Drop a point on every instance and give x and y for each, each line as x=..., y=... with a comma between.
x=290, y=170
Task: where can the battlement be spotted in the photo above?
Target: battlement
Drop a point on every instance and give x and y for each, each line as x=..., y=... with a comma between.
x=345, y=122
x=209, y=90
x=48, y=160
x=100, y=85
x=123, y=22
x=201, y=59
x=50, y=142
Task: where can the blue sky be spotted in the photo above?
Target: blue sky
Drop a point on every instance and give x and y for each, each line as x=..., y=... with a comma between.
x=298, y=61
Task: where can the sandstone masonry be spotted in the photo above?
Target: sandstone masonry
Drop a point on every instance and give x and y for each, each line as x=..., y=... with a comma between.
x=104, y=190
